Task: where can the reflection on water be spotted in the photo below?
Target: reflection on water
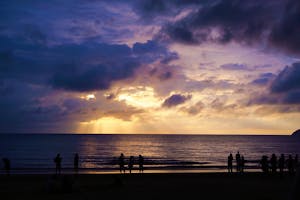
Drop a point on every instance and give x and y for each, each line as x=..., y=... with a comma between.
x=102, y=151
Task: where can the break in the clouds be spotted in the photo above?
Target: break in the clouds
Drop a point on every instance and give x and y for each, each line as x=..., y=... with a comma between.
x=142, y=66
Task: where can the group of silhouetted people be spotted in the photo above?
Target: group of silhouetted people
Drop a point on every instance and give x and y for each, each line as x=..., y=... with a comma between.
x=273, y=164
x=58, y=160
x=266, y=164
x=131, y=163
x=240, y=162
x=58, y=163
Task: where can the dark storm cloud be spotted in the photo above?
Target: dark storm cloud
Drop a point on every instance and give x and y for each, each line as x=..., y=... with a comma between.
x=288, y=79
x=21, y=109
x=97, y=77
x=292, y=97
x=263, y=79
x=284, y=88
x=175, y=100
x=77, y=67
x=155, y=8
x=275, y=23
x=286, y=34
x=230, y=20
x=287, y=85
x=152, y=51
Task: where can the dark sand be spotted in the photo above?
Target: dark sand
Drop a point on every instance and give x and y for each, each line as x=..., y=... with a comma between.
x=254, y=186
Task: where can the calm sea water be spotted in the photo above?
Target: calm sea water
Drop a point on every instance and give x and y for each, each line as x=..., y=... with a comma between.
x=37, y=151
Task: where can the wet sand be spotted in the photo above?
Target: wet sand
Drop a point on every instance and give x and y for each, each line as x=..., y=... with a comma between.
x=148, y=186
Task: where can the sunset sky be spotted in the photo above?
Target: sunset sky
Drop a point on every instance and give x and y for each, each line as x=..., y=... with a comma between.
x=150, y=66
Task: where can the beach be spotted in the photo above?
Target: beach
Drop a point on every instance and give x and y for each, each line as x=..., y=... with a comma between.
x=251, y=185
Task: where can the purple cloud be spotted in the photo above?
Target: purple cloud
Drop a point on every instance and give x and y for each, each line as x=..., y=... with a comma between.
x=175, y=100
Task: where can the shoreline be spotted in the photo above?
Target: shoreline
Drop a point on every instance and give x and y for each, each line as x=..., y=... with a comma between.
x=150, y=170
x=217, y=185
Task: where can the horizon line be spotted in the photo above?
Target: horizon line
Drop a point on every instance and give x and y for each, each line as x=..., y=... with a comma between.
x=204, y=134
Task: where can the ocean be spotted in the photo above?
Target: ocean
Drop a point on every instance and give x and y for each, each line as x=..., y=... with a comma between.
x=33, y=153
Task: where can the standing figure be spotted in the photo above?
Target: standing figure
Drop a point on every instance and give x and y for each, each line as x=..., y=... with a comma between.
x=6, y=162
x=273, y=162
x=57, y=161
x=290, y=165
x=141, y=163
x=229, y=163
x=122, y=163
x=264, y=164
x=130, y=163
x=281, y=162
x=242, y=164
x=238, y=161
x=296, y=161
x=76, y=162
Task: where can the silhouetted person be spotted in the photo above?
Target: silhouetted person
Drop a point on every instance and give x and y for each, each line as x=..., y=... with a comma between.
x=6, y=163
x=281, y=162
x=141, y=163
x=296, y=161
x=57, y=161
x=130, y=163
x=229, y=162
x=76, y=162
x=290, y=165
x=242, y=164
x=264, y=164
x=273, y=162
x=122, y=163
x=238, y=161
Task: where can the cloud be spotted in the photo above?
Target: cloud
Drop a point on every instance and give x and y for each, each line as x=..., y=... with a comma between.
x=284, y=88
x=151, y=9
x=98, y=77
x=234, y=66
x=288, y=79
x=175, y=100
x=194, y=109
x=152, y=51
x=263, y=79
x=292, y=97
x=274, y=24
x=222, y=22
x=286, y=33
x=31, y=108
x=163, y=72
x=221, y=105
x=39, y=81
x=87, y=66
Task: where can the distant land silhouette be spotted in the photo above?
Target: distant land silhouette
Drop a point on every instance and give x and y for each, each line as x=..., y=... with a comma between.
x=296, y=133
